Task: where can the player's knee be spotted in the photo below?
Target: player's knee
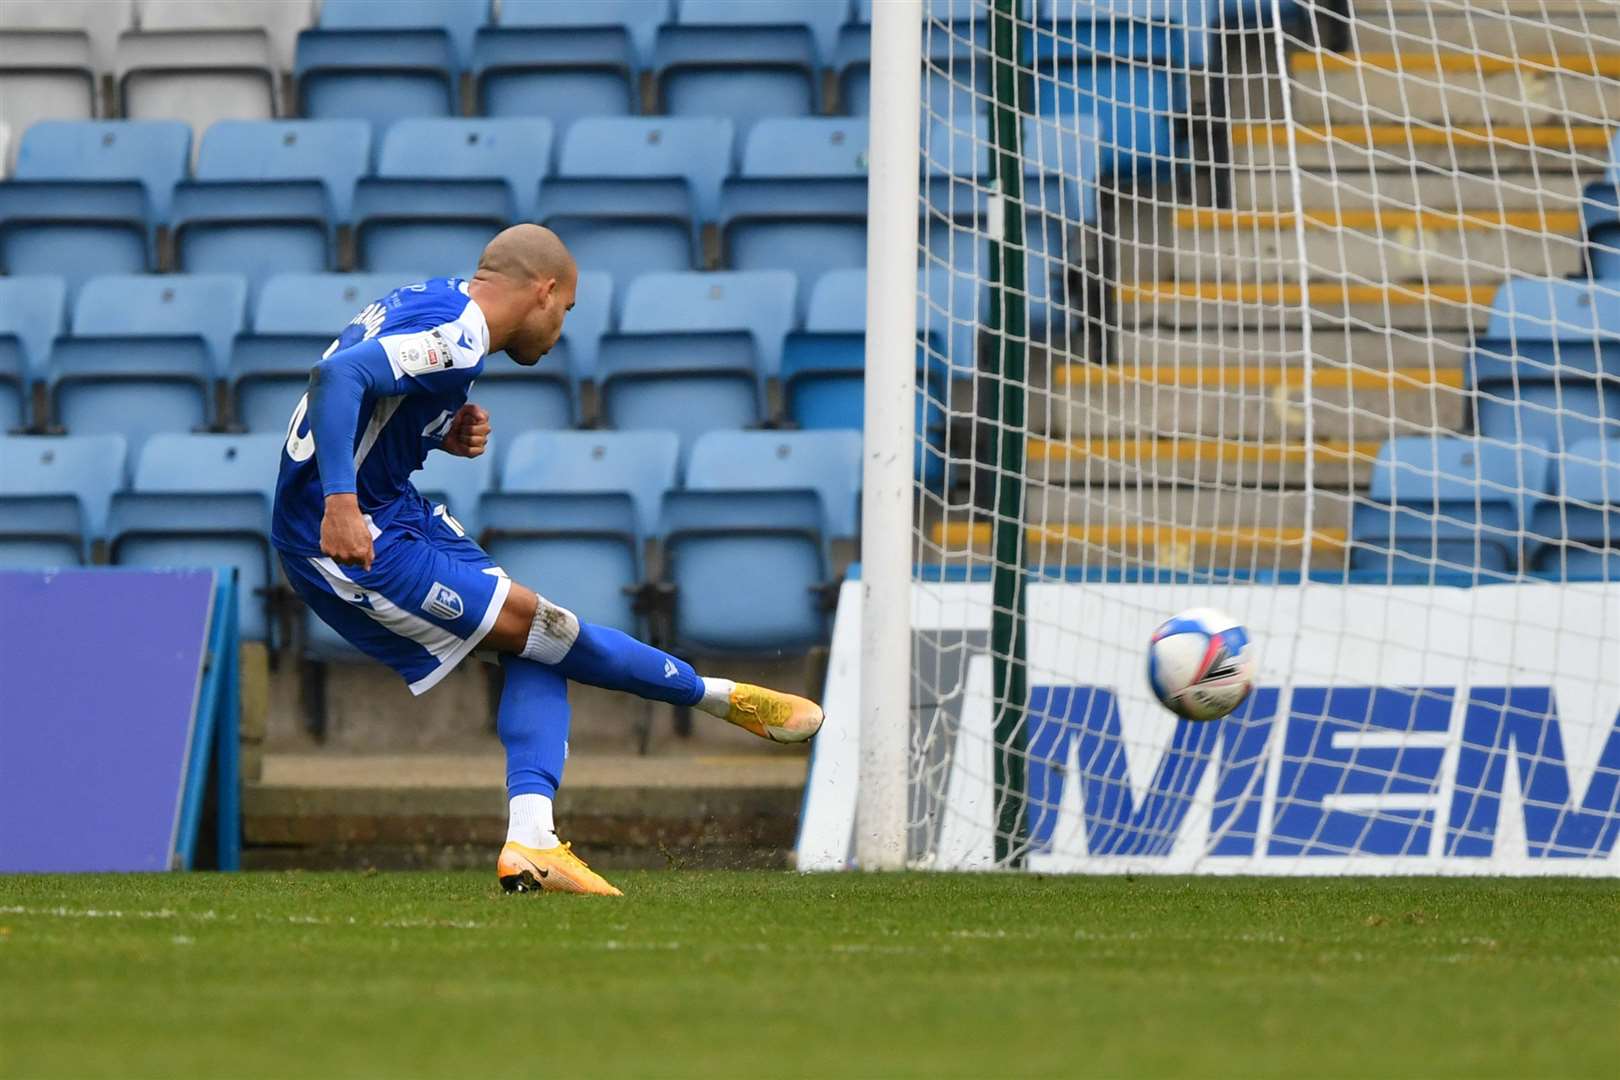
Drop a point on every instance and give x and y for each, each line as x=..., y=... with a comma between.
x=552, y=632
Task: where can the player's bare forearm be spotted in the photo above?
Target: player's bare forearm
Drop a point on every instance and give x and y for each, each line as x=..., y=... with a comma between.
x=469, y=432
x=345, y=537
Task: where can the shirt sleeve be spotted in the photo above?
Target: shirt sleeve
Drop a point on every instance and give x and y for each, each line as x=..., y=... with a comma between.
x=418, y=362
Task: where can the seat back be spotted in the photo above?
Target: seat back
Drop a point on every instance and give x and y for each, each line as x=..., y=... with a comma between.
x=31, y=312
x=45, y=75
x=38, y=532
x=642, y=463
x=89, y=468
x=697, y=149
x=320, y=304
x=746, y=74
x=102, y=20
x=761, y=302
x=822, y=19
x=689, y=383
x=223, y=464
x=335, y=152
x=517, y=151
x=827, y=462
x=623, y=228
x=442, y=223
x=198, y=76
x=154, y=153
x=211, y=306
x=640, y=19
x=458, y=483
x=461, y=19
x=267, y=375
x=805, y=146
x=808, y=227
x=377, y=76
x=132, y=386
x=579, y=551
x=280, y=20
x=838, y=302
x=593, y=314
x=558, y=73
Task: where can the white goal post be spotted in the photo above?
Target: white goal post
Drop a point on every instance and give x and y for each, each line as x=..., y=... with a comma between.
x=1307, y=310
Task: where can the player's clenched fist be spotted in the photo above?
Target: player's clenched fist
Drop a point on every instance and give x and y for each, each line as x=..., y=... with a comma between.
x=469, y=432
x=345, y=537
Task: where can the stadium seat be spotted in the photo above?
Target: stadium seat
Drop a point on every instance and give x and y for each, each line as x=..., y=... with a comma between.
x=742, y=73
x=101, y=20
x=87, y=468
x=1548, y=365
x=253, y=229
x=696, y=149
x=457, y=483
x=640, y=19
x=335, y=152
x=559, y=73
x=161, y=529
x=517, y=151
x=45, y=75
x=852, y=67
x=826, y=462
x=573, y=510
x=198, y=76
x=747, y=570
x=1579, y=530
x=280, y=19
x=799, y=203
x=591, y=318
x=1439, y=503
x=689, y=381
x=86, y=196
x=437, y=225
x=624, y=228
x=823, y=18
x=30, y=318
x=376, y=75
x=177, y=463
x=461, y=19
x=761, y=302
x=534, y=397
x=38, y=532
x=16, y=387
x=297, y=318
x=144, y=354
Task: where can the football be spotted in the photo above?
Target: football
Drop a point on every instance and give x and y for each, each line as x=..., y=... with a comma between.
x=1201, y=664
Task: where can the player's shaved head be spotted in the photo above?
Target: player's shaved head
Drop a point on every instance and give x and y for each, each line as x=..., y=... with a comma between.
x=526, y=253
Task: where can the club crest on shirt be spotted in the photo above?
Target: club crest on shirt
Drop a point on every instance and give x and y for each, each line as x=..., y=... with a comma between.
x=443, y=601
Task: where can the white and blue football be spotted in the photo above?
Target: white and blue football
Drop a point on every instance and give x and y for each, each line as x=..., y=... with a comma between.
x=1201, y=664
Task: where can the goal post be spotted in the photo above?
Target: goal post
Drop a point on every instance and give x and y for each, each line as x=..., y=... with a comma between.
x=1305, y=310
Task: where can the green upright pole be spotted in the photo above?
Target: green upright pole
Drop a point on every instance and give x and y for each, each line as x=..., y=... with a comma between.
x=1009, y=329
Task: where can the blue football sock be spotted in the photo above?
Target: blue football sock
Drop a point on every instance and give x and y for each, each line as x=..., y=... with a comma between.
x=602, y=656
x=533, y=726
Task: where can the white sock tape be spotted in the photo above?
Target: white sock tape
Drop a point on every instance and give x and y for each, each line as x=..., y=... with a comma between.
x=552, y=634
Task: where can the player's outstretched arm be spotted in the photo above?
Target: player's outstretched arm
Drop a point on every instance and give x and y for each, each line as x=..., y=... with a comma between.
x=338, y=386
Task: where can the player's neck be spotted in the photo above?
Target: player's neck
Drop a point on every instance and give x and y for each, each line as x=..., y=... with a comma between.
x=499, y=313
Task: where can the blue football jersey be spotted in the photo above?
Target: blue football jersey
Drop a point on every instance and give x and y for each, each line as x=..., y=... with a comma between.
x=411, y=357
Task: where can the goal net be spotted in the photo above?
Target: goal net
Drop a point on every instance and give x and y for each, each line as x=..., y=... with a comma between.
x=1305, y=311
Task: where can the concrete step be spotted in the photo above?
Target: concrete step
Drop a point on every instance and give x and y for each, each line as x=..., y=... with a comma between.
x=1193, y=461
x=1403, y=189
x=1430, y=147
x=1429, y=81
x=1235, y=402
x=1436, y=246
x=326, y=809
x=1236, y=348
x=1503, y=27
x=1332, y=305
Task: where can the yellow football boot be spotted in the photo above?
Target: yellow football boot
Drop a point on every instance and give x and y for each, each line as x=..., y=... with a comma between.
x=557, y=869
x=773, y=715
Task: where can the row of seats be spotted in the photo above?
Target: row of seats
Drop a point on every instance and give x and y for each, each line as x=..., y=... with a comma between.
x=745, y=524
x=694, y=352
x=1499, y=509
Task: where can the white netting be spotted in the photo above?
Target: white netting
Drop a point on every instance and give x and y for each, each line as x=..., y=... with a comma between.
x=1313, y=328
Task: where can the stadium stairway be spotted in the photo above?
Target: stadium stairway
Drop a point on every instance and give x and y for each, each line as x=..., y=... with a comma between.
x=1198, y=409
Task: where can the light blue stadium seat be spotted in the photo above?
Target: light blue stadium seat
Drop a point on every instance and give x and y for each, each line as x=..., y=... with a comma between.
x=792, y=147
x=747, y=570
x=209, y=306
x=1578, y=531
x=176, y=463
x=560, y=73
x=592, y=317
x=297, y=318
x=151, y=529
x=31, y=311
x=956, y=79
x=640, y=19
x=852, y=61
x=623, y=227
x=762, y=302
x=38, y=532
x=690, y=382
x=87, y=468
x=572, y=514
x=823, y=18
x=1548, y=365
x=1142, y=27
x=376, y=75
x=744, y=73
x=252, y=229
x=1448, y=503
x=335, y=152
x=1600, y=218
x=827, y=462
x=696, y=149
x=437, y=225
x=536, y=397
x=1131, y=83
x=86, y=196
x=517, y=151
x=461, y=19
x=457, y=483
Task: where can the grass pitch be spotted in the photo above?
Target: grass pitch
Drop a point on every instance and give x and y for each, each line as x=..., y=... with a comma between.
x=761, y=974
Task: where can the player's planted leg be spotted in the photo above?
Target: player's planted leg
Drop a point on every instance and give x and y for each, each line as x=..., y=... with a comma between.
x=538, y=630
x=533, y=726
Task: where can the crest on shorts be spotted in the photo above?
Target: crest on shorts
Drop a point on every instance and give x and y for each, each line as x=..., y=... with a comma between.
x=443, y=601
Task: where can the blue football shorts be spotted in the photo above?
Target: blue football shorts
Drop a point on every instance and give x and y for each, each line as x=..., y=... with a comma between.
x=429, y=598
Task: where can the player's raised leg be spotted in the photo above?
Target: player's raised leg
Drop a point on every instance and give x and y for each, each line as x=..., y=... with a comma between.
x=533, y=726
x=535, y=629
